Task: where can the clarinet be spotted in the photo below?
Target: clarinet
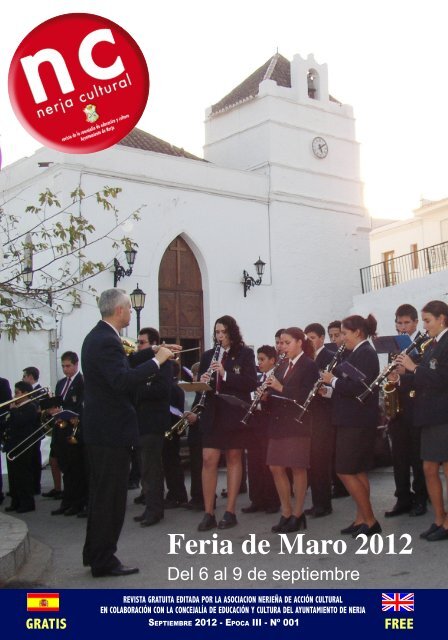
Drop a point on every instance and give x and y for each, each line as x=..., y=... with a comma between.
x=319, y=383
x=261, y=389
x=215, y=358
x=415, y=344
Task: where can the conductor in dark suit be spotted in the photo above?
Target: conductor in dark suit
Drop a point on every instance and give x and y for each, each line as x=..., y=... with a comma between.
x=5, y=395
x=110, y=429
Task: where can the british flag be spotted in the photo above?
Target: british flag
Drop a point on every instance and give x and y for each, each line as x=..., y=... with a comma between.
x=397, y=601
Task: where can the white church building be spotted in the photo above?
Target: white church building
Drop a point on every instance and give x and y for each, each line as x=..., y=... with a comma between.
x=279, y=181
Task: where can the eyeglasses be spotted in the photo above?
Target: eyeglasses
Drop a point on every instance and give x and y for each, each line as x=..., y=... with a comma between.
x=142, y=341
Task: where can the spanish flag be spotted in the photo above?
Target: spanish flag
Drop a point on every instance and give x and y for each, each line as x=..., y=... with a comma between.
x=42, y=601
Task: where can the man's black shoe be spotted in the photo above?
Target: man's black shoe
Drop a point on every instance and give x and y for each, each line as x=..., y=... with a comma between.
x=208, y=522
x=26, y=509
x=82, y=514
x=133, y=485
x=59, y=512
x=119, y=570
x=418, y=509
x=194, y=505
x=150, y=520
x=57, y=495
x=168, y=503
x=141, y=517
x=71, y=511
x=398, y=509
x=252, y=508
x=140, y=499
x=227, y=521
x=10, y=508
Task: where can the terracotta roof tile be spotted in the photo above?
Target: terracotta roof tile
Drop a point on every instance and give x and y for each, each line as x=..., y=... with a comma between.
x=139, y=139
x=277, y=68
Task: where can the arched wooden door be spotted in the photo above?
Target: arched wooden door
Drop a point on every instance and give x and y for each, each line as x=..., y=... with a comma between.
x=181, y=317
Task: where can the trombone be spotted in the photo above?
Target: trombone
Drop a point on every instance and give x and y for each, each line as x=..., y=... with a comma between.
x=28, y=442
x=37, y=394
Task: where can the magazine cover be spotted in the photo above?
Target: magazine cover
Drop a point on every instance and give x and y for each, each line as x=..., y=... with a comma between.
x=223, y=319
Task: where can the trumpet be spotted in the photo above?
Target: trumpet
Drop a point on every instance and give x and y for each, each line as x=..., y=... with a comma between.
x=39, y=434
x=319, y=383
x=261, y=389
x=180, y=426
x=381, y=377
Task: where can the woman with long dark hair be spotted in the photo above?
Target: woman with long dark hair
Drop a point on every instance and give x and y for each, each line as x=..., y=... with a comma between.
x=234, y=374
x=356, y=422
x=429, y=378
x=289, y=441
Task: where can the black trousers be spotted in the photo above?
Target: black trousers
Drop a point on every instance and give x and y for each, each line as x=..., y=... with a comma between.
x=321, y=457
x=151, y=446
x=108, y=490
x=70, y=458
x=20, y=475
x=405, y=439
x=195, y=447
x=37, y=467
x=174, y=474
x=262, y=491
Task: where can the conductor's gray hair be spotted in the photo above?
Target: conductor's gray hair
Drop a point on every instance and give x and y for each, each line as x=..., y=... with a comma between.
x=110, y=300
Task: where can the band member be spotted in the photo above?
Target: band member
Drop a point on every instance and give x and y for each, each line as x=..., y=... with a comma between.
x=236, y=375
x=176, y=495
x=31, y=375
x=278, y=341
x=322, y=437
x=405, y=436
x=152, y=400
x=196, y=502
x=5, y=395
x=23, y=420
x=335, y=333
x=110, y=429
x=355, y=422
x=262, y=492
x=429, y=378
x=289, y=442
x=69, y=451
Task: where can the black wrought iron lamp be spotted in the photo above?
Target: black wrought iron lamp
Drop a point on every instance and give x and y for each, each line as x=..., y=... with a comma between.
x=138, y=298
x=119, y=271
x=248, y=281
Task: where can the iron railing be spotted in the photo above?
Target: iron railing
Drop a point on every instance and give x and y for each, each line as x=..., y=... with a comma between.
x=404, y=268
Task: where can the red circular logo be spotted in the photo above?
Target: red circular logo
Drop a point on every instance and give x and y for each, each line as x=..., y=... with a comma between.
x=78, y=83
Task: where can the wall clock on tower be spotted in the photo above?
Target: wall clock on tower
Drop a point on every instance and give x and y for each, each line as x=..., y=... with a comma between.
x=320, y=147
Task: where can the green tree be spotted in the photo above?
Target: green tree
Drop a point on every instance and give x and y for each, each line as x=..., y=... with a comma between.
x=51, y=243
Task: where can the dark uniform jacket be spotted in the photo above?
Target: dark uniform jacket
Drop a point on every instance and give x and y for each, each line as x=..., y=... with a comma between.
x=152, y=396
x=296, y=386
x=109, y=416
x=21, y=422
x=241, y=380
x=347, y=410
x=430, y=382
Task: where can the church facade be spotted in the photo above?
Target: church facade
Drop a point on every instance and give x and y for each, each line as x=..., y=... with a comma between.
x=279, y=181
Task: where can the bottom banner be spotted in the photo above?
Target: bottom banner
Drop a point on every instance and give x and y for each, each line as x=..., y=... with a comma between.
x=184, y=614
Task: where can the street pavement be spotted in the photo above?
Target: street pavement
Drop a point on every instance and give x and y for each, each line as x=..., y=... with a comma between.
x=404, y=561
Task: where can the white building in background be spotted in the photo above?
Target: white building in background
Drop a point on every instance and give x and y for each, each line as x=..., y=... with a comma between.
x=280, y=181
x=408, y=264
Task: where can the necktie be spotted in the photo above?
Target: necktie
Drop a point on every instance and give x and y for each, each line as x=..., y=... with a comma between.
x=290, y=368
x=66, y=387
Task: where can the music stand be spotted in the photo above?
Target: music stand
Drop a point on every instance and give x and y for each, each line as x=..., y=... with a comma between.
x=391, y=344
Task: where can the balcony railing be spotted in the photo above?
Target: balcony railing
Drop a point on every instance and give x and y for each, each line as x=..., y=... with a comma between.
x=404, y=268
